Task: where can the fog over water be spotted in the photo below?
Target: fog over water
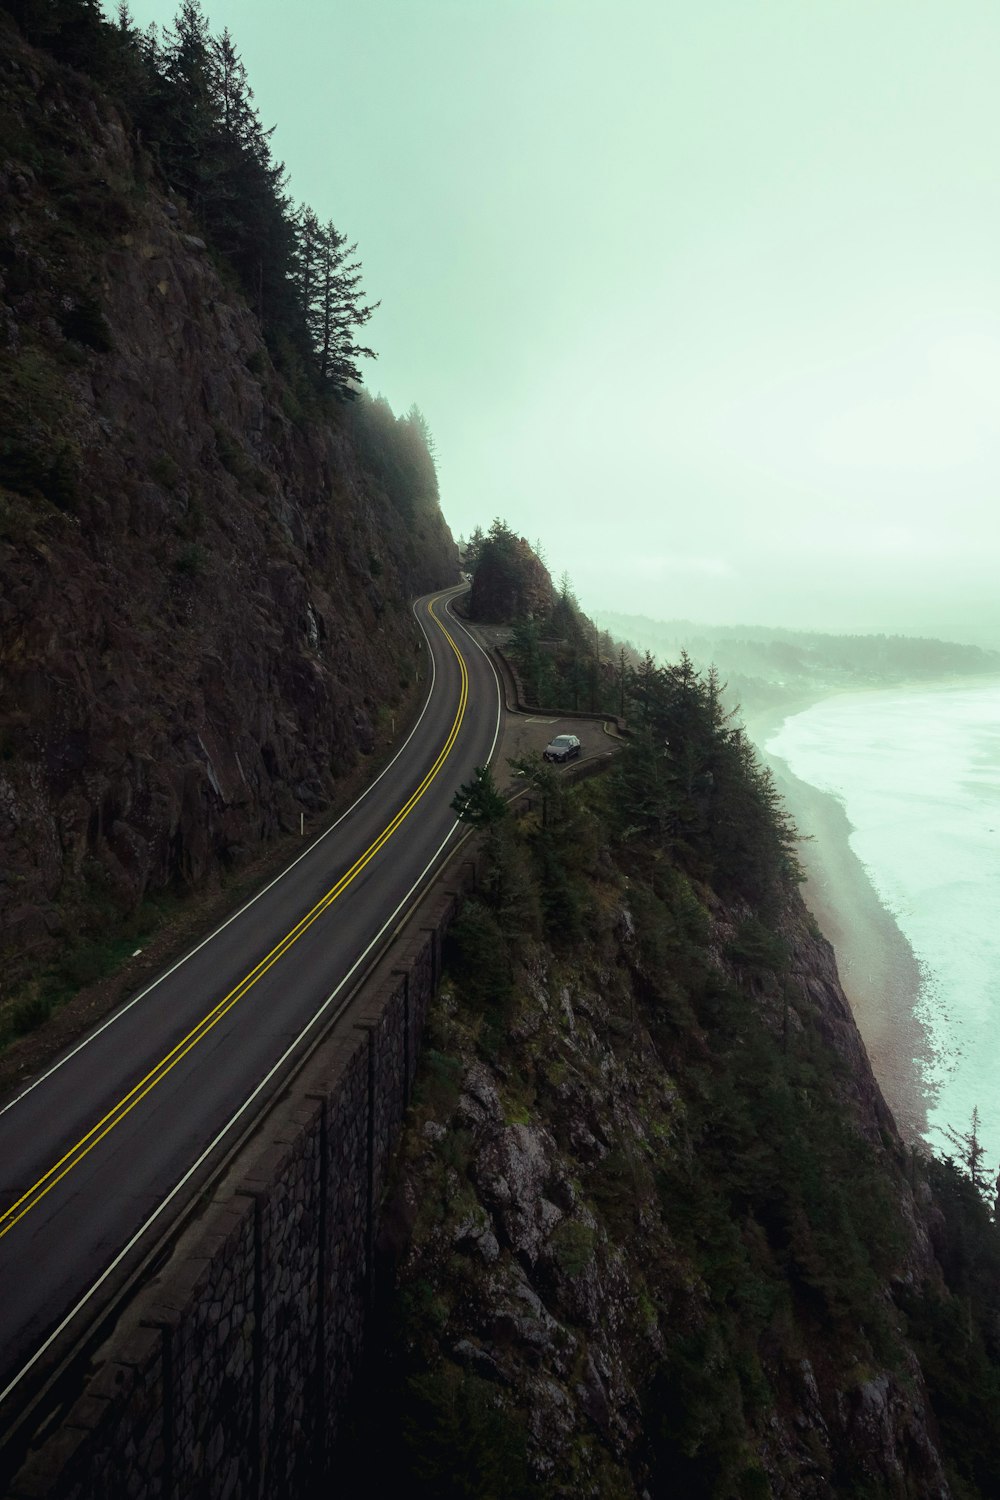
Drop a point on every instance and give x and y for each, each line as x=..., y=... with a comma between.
x=704, y=297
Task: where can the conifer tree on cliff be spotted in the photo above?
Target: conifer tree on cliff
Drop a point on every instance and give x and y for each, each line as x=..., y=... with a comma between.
x=188, y=95
x=417, y=446
x=188, y=138
x=308, y=249
x=253, y=223
x=509, y=579
x=335, y=308
x=72, y=30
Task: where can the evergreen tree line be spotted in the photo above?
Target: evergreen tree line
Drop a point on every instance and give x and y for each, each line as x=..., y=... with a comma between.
x=188, y=98
x=787, y=1215
x=399, y=450
x=563, y=659
x=761, y=647
x=688, y=778
x=790, y=1219
x=689, y=784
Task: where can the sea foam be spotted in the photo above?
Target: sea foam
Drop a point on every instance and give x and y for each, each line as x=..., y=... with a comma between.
x=918, y=773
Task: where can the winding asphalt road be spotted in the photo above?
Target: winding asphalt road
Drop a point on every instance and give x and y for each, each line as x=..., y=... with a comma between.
x=100, y=1151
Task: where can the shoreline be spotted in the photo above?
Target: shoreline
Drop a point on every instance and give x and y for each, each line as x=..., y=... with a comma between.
x=878, y=970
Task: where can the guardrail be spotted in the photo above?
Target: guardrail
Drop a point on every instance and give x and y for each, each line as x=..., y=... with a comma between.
x=237, y=1354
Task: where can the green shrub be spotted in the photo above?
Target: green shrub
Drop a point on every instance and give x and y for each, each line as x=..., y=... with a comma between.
x=191, y=561
x=439, y=1083
x=35, y=468
x=27, y=1015
x=573, y=1246
x=476, y=952
x=458, y=1441
x=292, y=406
x=86, y=324
x=756, y=947
x=235, y=459
x=84, y=964
x=164, y=470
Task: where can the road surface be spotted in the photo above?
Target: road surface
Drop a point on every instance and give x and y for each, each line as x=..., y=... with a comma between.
x=96, y=1156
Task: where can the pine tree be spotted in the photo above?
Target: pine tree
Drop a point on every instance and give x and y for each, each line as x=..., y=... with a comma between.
x=189, y=97
x=308, y=246
x=188, y=131
x=971, y=1152
x=418, y=421
x=130, y=73
x=473, y=548
x=72, y=30
x=251, y=219
x=335, y=311
x=479, y=802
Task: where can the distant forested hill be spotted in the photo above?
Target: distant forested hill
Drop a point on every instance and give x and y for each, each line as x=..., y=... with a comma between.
x=764, y=665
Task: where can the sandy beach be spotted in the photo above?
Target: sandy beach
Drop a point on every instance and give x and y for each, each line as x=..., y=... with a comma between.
x=880, y=975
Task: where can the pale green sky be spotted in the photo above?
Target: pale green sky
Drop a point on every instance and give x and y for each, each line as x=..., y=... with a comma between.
x=706, y=296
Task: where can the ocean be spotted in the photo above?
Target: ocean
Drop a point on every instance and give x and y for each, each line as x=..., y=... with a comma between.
x=917, y=771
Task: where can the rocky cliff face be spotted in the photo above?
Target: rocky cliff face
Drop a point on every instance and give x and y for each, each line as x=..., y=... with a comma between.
x=653, y=1227
x=204, y=590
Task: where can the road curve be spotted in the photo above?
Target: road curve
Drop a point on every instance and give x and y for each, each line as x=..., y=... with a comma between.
x=96, y=1155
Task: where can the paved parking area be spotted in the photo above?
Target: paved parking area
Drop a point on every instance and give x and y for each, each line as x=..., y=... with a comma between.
x=524, y=733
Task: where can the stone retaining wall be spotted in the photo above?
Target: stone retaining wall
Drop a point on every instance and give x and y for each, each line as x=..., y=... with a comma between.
x=520, y=702
x=226, y=1375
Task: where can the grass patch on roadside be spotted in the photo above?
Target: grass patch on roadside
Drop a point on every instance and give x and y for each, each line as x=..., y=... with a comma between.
x=175, y=920
x=83, y=962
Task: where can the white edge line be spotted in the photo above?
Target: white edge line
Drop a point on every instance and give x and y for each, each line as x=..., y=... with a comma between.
x=124, y=1009
x=483, y=652
x=182, y=1182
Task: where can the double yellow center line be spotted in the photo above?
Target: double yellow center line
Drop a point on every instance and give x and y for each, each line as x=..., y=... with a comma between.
x=128, y=1102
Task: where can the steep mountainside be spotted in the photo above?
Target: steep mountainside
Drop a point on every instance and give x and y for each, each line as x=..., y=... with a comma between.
x=653, y=1230
x=764, y=666
x=203, y=587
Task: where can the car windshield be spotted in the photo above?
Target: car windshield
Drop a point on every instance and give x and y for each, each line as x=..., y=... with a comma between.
x=562, y=739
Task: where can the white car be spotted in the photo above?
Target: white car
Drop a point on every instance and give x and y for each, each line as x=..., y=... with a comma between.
x=563, y=747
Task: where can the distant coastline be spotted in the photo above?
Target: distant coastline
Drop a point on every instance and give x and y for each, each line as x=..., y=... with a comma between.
x=768, y=676
x=879, y=972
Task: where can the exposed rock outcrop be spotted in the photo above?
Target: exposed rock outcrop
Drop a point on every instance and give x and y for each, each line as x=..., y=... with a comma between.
x=628, y=1298
x=204, y=591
